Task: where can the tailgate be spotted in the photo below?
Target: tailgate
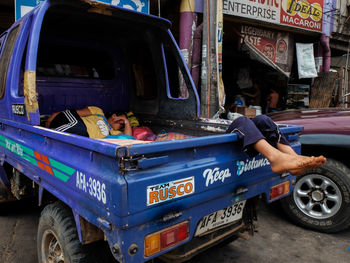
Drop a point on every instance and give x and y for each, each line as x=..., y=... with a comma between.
x=184, y=173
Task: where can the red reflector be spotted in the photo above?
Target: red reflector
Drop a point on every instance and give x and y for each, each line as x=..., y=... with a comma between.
x=279, y=190
x=168, y=238
x=173, y=236
x=183, y=232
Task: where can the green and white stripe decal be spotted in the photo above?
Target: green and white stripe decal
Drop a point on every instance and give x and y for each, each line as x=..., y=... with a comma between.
x=52, y=166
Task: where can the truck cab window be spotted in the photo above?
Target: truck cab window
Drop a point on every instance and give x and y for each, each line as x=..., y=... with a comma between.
x=74, y=62
x=144, y=73
x=5, y=57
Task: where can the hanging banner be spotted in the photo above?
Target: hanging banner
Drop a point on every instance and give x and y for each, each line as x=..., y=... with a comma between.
x=272, y=45
x=306, y=60
x=22, y=7
x=302, y=14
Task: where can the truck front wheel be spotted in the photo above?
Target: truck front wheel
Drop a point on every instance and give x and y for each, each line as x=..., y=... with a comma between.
x=321, y=198
x=57, y=240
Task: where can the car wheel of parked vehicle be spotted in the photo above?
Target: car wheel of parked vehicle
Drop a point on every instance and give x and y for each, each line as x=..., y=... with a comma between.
x=321, y=198
x=58, y=240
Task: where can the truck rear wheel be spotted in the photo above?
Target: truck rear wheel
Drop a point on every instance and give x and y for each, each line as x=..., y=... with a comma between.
x=57, y=240
x=321, y=198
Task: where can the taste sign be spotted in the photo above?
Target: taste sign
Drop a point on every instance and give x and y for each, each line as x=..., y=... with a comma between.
x=274, y=45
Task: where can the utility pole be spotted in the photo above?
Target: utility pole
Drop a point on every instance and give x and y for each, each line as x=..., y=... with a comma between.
x=209, y=76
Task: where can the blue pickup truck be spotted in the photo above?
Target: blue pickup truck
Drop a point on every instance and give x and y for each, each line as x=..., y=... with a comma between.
x=171, y=198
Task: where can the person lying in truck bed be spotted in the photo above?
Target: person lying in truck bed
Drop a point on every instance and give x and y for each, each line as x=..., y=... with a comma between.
x=90, y=122
x=261, y=135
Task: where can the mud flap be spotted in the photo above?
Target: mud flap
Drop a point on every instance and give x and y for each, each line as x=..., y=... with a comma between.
x=250, y=215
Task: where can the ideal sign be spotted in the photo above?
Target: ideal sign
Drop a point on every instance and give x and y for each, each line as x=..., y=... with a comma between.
x=24, y=6
x=304, y=14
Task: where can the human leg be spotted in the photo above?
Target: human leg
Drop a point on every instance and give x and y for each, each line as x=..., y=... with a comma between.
x=286, y=158
x=272, y=134
x=69, y=121
x=261, y=135
x=247, y=132
x=286, y=149
x=270, y=130
x=281, y=162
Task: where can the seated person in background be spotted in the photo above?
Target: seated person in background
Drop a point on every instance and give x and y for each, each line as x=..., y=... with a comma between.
x=272, y=101
x=90, y=122
x=261, y=135
x=252, y=95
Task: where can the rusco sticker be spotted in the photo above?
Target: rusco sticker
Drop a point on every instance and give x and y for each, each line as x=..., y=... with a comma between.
x=167, y=191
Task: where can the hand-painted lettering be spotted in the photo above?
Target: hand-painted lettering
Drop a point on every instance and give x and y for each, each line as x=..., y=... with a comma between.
x=214, y=175
x=91, y=186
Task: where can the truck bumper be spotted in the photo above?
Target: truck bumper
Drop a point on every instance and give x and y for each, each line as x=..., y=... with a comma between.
x=199, y=244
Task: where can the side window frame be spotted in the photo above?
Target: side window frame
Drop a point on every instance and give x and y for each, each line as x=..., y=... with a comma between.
x=5, y=56
x=2, y=38
x=173, y=50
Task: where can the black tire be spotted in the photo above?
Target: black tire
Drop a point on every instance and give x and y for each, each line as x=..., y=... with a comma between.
x=327, y=187
x=57, y=227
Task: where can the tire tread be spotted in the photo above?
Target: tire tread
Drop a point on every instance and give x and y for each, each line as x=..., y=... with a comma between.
x=59, y=218
x=340, y=174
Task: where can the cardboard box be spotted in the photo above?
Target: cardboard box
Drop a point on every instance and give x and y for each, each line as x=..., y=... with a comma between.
x=248, y=112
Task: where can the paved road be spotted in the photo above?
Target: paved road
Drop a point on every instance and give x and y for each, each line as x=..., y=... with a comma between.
x=276, y=241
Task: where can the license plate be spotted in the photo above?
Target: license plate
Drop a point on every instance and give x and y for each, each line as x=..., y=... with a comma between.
x=220, y=218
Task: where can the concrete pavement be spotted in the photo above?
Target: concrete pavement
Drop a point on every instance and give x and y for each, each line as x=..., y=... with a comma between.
x=277, y=240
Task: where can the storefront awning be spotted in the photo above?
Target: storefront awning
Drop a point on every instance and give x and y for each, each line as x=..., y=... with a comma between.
x=256, y=54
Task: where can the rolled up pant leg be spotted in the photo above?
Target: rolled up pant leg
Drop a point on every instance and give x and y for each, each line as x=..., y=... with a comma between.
x=247, y=132
x=251, y=131
x=270, y=130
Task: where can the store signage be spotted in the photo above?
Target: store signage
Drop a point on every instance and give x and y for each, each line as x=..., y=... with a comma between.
x=273, y=45
x=24, y=6
x=304, y=14
x=264, y=10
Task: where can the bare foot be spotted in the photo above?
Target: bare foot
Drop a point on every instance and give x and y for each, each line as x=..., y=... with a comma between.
x=296, y=164
x=286, y=149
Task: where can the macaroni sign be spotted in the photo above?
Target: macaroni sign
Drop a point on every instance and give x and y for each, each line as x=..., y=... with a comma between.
x=304, y=14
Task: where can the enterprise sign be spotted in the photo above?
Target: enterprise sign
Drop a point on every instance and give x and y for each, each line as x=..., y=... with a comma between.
x=303, y=14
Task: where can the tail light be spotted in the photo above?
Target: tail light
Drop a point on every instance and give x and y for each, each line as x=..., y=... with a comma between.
x=166, y=238
x=279, y=190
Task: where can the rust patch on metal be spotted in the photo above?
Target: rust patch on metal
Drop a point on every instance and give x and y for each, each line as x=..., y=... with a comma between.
x=30, y=94
x=90, y=232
